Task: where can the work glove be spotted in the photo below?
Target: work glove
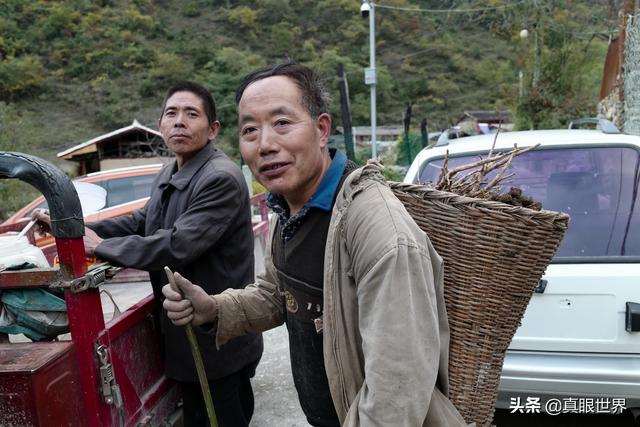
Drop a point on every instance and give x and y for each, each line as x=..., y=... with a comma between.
x=188, y=303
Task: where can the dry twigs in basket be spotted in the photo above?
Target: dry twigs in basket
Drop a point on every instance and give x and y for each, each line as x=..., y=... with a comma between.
x=474, y=184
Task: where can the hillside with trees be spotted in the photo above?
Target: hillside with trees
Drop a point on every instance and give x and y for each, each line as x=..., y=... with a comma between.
x=73, y=69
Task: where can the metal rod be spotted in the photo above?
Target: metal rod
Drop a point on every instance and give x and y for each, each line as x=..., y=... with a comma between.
x=197, y=357
x=26, y=228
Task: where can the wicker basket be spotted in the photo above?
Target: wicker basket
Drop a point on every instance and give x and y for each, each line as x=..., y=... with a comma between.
x=494, y=256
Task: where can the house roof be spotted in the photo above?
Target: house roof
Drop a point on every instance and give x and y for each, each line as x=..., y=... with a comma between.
x=90, y=146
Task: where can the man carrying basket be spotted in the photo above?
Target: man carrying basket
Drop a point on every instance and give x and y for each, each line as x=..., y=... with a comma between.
x=356, y=281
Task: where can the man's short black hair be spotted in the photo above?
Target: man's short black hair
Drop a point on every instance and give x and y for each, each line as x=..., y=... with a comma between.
x=201, y=92
x=315, y=97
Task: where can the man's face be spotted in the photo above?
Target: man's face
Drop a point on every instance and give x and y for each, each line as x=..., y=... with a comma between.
x=184, y=125
x=282, y=144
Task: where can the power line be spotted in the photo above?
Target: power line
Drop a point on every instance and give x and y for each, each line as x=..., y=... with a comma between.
x=480, y=9
x=402, y=58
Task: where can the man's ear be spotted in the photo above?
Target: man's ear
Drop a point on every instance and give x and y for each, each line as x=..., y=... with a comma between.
x=324, y=128
x=214, y=128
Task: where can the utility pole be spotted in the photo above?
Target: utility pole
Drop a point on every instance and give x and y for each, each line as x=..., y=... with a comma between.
x=520, y=85
x=537, y=54
x=345, y=109
x=367, y=9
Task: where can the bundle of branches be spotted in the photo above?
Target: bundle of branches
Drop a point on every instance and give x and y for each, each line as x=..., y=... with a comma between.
x=475, y=183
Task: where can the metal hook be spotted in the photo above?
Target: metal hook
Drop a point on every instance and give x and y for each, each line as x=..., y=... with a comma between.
x=101, y=351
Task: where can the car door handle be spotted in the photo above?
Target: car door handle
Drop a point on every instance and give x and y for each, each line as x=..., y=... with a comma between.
x=632, y=322
x=541, y=286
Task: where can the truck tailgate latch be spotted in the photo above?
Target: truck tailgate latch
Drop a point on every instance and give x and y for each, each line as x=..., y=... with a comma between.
x=97, y=275
x=108, y=387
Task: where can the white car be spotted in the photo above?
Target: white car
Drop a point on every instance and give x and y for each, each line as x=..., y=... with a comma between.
x=580, y=335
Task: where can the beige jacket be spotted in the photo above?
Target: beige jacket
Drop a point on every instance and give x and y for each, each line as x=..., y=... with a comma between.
x=385, y=332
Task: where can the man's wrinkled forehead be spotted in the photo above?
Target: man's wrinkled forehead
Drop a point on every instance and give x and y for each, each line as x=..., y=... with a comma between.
x=277, y=94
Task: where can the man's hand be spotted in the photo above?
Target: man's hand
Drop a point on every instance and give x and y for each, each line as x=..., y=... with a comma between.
x=43, y=219
x=196, y=306
x=91, y=241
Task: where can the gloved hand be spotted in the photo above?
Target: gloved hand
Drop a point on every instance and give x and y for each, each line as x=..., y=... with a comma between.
x=188, y=303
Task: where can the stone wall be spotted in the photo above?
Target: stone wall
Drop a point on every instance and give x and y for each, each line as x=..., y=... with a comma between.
x=631, y=123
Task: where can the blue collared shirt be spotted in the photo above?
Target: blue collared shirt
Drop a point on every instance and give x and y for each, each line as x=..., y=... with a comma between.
x=322, y=198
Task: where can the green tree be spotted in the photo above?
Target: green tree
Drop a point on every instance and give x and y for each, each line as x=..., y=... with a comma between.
x=14, y=136
x=20, y=76
x=222, y=75
x=243, y=16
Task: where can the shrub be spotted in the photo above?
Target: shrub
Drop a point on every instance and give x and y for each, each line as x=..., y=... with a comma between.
x=20, y=75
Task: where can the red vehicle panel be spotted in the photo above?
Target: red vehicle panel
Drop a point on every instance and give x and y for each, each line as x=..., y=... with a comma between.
x=61, y=383
x=29, y=378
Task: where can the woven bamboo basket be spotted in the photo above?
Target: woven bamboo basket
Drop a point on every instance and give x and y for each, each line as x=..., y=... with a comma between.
x=494, y=255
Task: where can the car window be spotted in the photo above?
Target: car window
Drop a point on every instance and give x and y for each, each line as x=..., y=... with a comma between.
x=598, y=187
x=123, y=190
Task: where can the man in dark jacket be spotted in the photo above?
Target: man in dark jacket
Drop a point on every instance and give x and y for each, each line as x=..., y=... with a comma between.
x=198, y=223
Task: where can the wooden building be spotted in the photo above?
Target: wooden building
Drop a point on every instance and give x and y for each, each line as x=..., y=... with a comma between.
x=128, y=146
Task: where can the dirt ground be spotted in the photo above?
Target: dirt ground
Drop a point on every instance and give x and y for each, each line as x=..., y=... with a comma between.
x=275, y=395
